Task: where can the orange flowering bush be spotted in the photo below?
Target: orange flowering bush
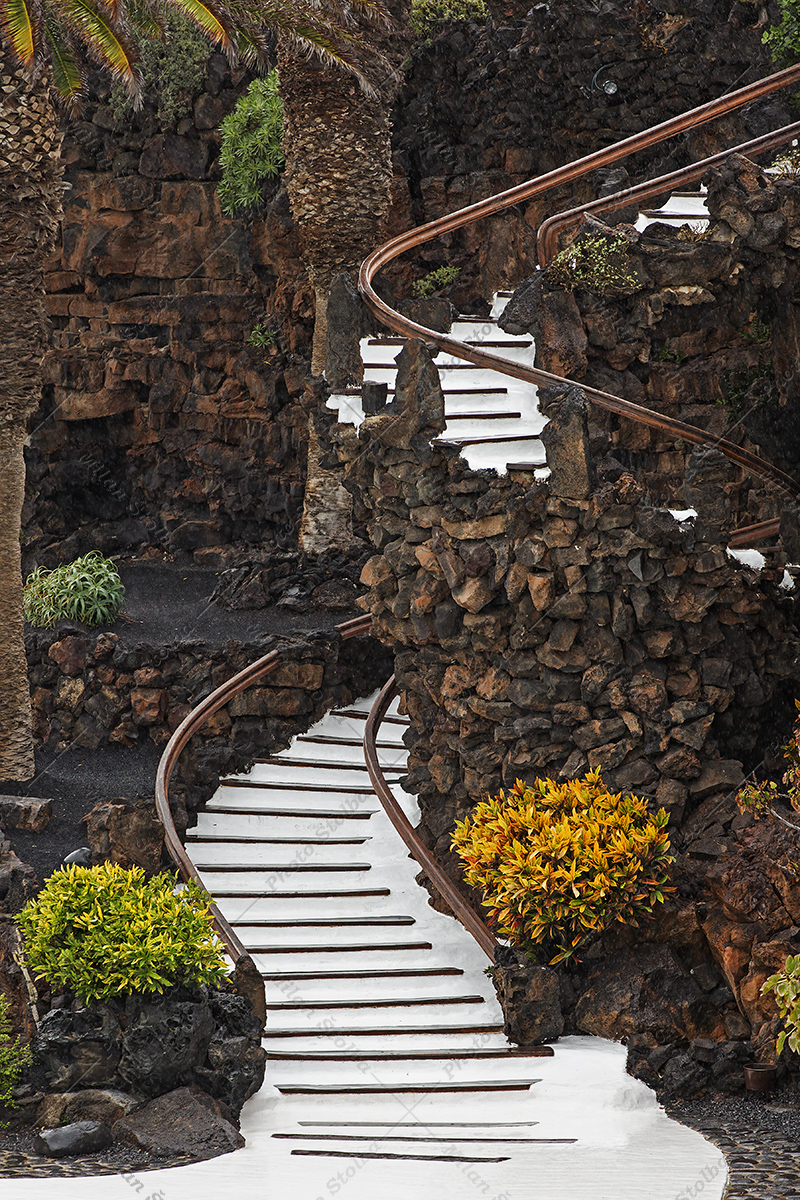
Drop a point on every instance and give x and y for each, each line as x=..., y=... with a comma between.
x=557, y=864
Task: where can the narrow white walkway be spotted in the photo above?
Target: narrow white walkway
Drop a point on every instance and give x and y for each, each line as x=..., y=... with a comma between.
x=494, y=418
x=389, y=1077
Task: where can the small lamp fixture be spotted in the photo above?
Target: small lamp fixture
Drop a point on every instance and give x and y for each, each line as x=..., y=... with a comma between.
x=608, y=86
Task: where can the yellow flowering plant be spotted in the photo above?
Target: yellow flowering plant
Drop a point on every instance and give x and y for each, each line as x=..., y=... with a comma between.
x=556, y=864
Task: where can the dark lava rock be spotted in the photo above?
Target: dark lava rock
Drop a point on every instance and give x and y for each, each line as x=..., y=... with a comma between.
x=236, y=1061
x=530, y=997
x=82, y=1137
x=184, y=1121
x=165, y=1037
x=81, y=1047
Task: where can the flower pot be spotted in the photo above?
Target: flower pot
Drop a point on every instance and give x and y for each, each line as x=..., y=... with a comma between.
x=760, y=1077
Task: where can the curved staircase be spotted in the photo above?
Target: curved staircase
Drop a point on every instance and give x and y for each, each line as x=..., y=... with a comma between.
x=388, y=1071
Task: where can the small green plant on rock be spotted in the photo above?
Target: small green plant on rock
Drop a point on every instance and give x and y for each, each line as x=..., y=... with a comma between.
x=108, y=931
x=14, y=1057
x=262, y=337
x=434, y=282
x=427, y=14
x=556, y=865
x=87, y=590
x=760, y=799
x=596, y=263
x=251, y=150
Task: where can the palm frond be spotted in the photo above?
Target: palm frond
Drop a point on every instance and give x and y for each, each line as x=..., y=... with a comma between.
x=105, y=41
x=318, y=31
x=212, y=19
x=22, y=23
x=68, y=74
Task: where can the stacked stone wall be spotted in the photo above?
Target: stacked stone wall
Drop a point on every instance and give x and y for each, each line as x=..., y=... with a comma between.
x=541, y=629
x=707, y=335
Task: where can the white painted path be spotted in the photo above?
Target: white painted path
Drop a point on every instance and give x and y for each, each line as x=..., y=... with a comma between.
x=353, y=979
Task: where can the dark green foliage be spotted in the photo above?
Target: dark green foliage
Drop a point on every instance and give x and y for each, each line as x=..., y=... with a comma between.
x=173, y=68
x=88, y=590
x=14, y=1057
x=427, y=14
x=251, y=146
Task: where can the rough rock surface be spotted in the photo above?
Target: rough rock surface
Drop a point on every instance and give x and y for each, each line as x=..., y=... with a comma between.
x=150, y=1045
x=80, y=1137
x=184, y=1121
x=542, y=634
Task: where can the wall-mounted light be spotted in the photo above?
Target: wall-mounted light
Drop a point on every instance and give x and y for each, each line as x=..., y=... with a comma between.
x=607, y=85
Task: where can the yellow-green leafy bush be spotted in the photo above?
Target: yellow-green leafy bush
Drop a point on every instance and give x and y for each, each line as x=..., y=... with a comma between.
x=558, y=864
x=106, y=931
x=14, y=1057
x=786, y=986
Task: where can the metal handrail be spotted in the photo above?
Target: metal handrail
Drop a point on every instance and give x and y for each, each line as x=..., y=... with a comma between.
x=392, y=249
x=190, y=725
x=550, y=230
x=443, y=884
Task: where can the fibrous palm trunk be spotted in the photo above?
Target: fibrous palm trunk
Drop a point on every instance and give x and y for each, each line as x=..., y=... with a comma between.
x=30, y=205
x=337, y=143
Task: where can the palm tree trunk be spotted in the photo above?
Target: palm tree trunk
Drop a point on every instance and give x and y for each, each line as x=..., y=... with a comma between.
x=30, y=208
x=337, y=144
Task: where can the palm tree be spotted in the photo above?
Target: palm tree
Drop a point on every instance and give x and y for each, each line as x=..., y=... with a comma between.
x=46, y=47
x=337, y=144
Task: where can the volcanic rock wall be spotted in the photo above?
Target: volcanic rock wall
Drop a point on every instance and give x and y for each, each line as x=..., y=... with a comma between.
x=486, y=108
x=707, y=335
x=159, y=424
x=546, y=628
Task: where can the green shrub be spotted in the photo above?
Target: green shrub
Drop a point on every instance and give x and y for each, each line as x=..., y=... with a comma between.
x=783, y=39
x=88, y=590
x=107, y=931
x=173, y=68
x=786, y=986
x=14, y=1057
x=251, y=146
x=434, y=281
x=596, y=263
x=427, y=14
x=558, y=864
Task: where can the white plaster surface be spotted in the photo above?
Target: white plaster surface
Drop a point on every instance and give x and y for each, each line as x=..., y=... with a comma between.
x=620, y=1145
x=470, y=394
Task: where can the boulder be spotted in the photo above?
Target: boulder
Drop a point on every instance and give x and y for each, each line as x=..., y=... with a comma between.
x=166, y=1037
x=29, y=814
x=127, y=832
x=80, y=1047
x=530, y=997
x=184, y=1121
x=81, y=1137
x=89, y=1104
x=236, y=1061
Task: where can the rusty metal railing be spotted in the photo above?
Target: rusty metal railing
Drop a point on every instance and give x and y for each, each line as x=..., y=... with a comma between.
x=443, y=884
x=544, y=183
x=191, y=724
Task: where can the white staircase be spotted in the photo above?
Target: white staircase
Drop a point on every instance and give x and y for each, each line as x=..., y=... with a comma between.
x=494, y=418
